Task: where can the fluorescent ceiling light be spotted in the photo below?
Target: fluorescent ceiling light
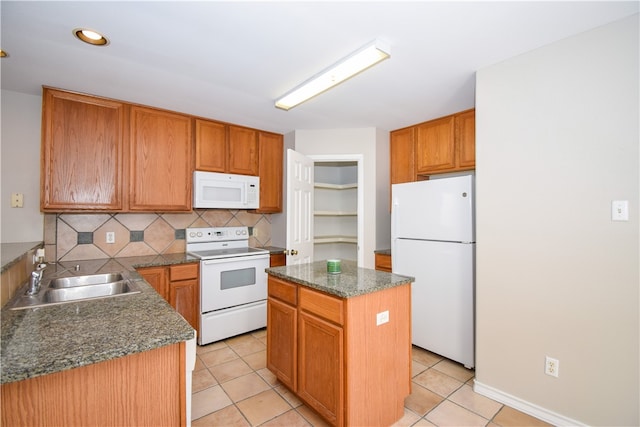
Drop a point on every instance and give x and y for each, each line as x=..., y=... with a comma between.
x=344, y=69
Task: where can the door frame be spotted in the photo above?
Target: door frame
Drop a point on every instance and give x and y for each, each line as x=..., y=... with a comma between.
x=359, y=160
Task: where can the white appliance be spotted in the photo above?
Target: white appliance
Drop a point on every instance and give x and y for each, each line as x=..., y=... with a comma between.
x=233, y=282
x=215, y=190
x=433, y=240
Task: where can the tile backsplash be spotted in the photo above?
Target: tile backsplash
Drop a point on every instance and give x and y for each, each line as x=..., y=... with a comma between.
x=70, y=237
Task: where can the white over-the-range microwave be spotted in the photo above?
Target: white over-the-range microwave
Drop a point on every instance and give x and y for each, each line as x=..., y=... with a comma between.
x=213, y=190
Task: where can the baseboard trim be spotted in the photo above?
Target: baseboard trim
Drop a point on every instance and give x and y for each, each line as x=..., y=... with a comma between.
x=524, y=406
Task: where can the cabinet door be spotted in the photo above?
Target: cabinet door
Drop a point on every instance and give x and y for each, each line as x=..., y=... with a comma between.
x=281, y=341
x=211, y=146
x=184, y=297
x=243, y=151
x=157, y=278
x=277, y=260
x=402, y=156
x=383, y=262
x=270, y=170
x=320, y=366
x=160, y=160
x=83, y=140
x=466, y=139
x=435, y=146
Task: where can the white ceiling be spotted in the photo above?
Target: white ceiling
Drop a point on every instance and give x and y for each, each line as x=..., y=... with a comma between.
x=231, y=60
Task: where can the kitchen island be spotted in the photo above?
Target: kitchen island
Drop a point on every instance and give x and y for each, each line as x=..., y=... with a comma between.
x=341, y=342
x=89, y=362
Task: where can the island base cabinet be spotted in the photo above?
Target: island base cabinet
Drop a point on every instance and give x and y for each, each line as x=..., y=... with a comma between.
x=350, y=369
x=143, y=389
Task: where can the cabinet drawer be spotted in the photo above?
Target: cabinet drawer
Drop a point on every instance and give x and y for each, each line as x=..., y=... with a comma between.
x=322, y=305
x=383, y=262
x=183, y=272
x=283, y=291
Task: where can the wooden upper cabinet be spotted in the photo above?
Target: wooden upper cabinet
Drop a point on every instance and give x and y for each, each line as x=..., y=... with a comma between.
x=466, y=139
x=435, y=146
x=402, y=155
x=211, y=146
x=83, y=140
x=243, y=150
x=160, y=160
x=226, y=148
x=270, y=146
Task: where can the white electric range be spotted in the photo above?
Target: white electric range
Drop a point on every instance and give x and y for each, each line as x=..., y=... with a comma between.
x=233, y=281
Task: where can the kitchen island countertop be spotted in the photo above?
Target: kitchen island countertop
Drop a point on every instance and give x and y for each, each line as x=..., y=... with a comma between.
x=40, y=341
x=351, y=282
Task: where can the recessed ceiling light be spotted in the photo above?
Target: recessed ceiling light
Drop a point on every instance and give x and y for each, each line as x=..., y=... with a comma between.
x=3, y=54
x=90, y=36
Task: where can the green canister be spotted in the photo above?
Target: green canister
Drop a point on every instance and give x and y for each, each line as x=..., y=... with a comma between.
x=333, y=266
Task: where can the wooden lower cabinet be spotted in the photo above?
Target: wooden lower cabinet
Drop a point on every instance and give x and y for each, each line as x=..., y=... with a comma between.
x=332, y=354
x=179, y=285
x=383, y=262
x=143, y=389
x=277, y=260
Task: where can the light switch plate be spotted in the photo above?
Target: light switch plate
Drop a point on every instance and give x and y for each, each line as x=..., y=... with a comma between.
x=620, y=210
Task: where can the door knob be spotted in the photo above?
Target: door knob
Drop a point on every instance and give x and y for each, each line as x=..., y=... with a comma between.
x=293, y=252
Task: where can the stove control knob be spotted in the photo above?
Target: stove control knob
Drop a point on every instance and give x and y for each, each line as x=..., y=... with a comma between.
x=199, y=234
x=192, y=234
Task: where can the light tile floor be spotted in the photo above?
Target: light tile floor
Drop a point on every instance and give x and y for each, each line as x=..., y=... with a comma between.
x=233, y=387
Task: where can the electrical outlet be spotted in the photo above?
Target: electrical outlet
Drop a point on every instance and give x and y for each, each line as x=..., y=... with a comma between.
x=382, y=317
x=111, y=237
x=551, y=366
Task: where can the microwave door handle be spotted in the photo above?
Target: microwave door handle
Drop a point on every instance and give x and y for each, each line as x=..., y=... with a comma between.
x=244, y=193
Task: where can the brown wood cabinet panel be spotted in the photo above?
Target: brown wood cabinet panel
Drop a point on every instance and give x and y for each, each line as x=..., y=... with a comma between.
x=322, y=305
x=161, y=162
x=402, y=155
x=320, y=366
x=284, y=291
x=183, y=271
x=123, y=391
x=383, y=262
x=184, y=296
x=270, y=168
x=211, y=146
x=466, y=139
x=157, y=278
x=243, y=151
x=388, y=348
x=435, y=146
x=83, y=141
x=277, y=260
x=282, y=337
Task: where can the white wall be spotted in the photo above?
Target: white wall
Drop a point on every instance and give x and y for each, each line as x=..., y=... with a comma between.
x=20, y=152
x=373, y=145
x=557, y=141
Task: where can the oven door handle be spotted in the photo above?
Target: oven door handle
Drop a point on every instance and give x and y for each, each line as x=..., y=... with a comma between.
x=233, y=259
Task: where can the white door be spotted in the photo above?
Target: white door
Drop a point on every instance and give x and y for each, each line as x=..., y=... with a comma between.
x=299, y=208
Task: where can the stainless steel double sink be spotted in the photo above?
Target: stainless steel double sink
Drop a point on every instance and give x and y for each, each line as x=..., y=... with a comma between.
x=76, y=288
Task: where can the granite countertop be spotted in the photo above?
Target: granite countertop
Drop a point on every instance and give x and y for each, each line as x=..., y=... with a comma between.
x=351, y=282
x=10, y=253
x=39, y=341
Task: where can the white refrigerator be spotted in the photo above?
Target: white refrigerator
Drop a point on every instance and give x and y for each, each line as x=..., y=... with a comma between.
x=433, y=240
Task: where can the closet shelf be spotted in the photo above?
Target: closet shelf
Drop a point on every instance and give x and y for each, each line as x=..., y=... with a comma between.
x=334, y=186
x=335, y=213
x=335, y=239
